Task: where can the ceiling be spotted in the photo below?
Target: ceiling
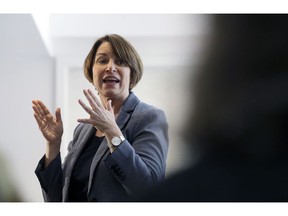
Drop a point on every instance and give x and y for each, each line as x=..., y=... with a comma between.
x=161, y=39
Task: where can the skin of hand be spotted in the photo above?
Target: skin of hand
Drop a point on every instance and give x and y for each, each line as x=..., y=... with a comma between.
x=51, y=127
x=102, y=118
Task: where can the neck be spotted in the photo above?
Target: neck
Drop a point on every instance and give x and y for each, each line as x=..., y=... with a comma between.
x=99, y=133
x=116, y=103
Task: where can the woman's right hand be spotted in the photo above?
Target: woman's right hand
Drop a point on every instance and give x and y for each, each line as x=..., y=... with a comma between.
x=50, y=126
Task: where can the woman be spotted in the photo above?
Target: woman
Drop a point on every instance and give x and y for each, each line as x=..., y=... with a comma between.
x=121, y=149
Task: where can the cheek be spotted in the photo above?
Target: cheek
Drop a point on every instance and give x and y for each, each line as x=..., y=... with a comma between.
x=95, y=74
x=96, y=78
x=127, y=75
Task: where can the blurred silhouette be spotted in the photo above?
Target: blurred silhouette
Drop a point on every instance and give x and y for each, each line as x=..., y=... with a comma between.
x=237, y=128
x=8, y=192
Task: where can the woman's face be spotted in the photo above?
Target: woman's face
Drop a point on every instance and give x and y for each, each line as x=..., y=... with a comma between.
x=111, y=77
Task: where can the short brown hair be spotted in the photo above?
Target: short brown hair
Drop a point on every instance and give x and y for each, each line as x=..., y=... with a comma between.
x=123, y=50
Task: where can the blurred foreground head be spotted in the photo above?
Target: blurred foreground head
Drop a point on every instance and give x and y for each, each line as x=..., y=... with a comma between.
x=238, y=126
x=8, y=191
x=241, y=90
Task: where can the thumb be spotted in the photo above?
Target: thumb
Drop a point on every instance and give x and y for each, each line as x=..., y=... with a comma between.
x=58, y=115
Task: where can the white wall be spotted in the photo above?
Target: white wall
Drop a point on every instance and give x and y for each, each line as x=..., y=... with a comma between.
x=26, y=73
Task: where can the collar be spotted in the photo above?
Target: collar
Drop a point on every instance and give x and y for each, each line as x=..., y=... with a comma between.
x=126, y=109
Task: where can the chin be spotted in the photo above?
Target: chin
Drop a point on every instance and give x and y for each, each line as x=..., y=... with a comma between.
x=114, y=93
x=110, y=94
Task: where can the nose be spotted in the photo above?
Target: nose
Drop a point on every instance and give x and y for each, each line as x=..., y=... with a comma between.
x=111, y=66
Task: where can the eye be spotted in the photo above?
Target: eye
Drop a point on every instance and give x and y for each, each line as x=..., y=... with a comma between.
x=102, y=60
x=121, y=62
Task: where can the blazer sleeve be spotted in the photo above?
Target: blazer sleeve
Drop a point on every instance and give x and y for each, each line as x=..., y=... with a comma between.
x=50, y=179
x=141, y=164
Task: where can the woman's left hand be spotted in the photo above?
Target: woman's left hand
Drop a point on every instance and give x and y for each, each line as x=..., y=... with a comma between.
x=101, y=117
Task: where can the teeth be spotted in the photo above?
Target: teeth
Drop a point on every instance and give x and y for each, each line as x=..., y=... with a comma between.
x=111, y=79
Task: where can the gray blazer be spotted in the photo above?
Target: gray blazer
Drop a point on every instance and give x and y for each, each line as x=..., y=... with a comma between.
x=135, y=166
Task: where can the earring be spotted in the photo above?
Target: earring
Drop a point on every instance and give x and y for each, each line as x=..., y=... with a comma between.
x=95, y=89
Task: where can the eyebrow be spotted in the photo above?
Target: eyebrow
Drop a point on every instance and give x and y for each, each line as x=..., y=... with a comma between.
x=101, y=54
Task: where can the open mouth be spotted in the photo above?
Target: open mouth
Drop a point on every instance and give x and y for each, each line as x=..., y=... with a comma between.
x=111, y=80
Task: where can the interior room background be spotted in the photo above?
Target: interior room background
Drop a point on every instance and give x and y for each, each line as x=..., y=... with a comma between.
x=41, y=57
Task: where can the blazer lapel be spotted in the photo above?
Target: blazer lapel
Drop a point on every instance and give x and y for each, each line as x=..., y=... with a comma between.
x=126, y=110
x=122, y=120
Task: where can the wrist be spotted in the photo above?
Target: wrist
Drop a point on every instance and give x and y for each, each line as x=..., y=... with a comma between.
x=112, y=148
x=113, y=132
x=50, y=156
x=52, y=149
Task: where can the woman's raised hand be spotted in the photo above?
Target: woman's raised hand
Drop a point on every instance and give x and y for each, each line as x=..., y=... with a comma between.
x=50, y=126
x=101, y=117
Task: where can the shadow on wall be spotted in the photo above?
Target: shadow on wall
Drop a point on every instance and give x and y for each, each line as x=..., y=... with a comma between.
x=8, y=192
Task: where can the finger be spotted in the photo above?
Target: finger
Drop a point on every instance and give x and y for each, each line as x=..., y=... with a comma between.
x=85, y=107
x=87, y=121
x=38, y=115
x=41, y=108
x=37, y=110
x=58, y=115
x=90, y=100
x=35, y=106
x=109, y=106
x=39, y=121
x=94, y=97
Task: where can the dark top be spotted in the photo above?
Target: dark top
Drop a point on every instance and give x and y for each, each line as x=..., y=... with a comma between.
x=80, y=176
x=220, y=179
